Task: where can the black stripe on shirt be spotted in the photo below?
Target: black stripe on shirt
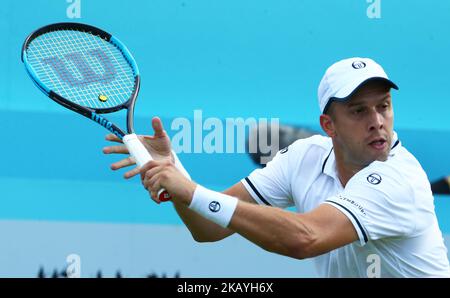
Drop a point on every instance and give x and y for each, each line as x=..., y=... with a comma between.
x=357, y=221
x=257, y=192
x=326, y=159
x=396, y=143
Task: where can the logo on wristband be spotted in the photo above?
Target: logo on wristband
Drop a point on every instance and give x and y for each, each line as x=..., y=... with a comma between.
x=214, y=206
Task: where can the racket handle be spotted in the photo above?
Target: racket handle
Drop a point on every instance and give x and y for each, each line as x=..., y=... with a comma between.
x=142, y=156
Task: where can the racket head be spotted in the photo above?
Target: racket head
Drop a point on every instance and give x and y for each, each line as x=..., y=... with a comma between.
x=82, y=68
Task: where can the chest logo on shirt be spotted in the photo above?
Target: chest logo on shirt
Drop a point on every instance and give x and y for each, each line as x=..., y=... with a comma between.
x=374, y=179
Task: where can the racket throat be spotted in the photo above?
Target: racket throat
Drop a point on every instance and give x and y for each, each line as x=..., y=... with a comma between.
x=107, y=124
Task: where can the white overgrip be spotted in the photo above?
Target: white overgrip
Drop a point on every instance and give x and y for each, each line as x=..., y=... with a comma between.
x=137, y=149
x=141, y=156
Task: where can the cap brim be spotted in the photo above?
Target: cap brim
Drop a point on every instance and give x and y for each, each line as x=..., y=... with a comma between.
x=353, y=90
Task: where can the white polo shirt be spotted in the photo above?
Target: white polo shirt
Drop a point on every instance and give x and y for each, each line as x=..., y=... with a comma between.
x=389, y=203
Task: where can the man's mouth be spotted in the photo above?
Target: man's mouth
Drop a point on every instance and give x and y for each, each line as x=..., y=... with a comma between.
x=378, y=144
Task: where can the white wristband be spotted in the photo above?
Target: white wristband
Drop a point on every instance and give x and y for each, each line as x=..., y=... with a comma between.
x=212, y=205
x=179, y=165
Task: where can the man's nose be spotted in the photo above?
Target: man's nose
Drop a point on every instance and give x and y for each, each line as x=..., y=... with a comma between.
x=376, y=120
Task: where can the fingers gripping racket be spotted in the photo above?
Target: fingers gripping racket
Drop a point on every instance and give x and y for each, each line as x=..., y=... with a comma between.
x=88, y=71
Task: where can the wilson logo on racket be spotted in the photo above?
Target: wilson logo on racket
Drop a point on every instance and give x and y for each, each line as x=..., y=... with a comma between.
x=83, y=67
x=105, y=123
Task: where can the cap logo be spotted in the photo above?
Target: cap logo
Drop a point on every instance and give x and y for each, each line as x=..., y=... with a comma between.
x=358, y=64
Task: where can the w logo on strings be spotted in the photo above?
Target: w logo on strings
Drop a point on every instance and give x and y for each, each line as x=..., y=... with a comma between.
x=88, y=74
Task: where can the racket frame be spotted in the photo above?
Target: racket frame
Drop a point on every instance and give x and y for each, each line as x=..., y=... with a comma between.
x=130, y=139
x=91, y=113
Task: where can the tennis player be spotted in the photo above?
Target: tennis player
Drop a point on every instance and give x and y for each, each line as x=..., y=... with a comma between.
x=360, y=195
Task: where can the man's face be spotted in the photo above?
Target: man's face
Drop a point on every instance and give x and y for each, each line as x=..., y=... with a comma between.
x=363, y=125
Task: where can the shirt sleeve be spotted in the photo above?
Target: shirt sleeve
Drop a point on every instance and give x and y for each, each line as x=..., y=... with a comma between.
x=379, y=202
x=270, y=185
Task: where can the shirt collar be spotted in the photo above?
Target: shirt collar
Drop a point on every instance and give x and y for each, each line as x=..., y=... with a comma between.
x=329, y=165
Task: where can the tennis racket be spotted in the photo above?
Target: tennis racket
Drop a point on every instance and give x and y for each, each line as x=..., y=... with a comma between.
x=88, y=71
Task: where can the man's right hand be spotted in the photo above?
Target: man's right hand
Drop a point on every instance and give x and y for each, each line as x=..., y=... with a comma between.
x=157, y=145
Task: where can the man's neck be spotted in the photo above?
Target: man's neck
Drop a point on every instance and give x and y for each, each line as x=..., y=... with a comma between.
x=345, y=170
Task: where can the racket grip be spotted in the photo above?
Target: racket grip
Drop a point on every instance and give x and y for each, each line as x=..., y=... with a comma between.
x=142, y=156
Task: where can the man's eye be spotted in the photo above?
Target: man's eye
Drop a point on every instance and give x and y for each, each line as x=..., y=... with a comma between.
x=358, y=111
x=384, y=106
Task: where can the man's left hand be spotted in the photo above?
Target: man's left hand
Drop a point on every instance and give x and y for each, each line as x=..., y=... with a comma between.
x=158, y=174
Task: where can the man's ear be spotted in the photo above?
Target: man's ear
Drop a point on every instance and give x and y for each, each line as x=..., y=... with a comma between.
x=327, y=124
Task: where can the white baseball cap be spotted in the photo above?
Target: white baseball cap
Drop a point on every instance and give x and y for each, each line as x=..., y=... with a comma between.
x=344, y=77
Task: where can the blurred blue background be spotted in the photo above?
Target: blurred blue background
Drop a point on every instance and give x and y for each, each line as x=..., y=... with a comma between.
x=249, y=59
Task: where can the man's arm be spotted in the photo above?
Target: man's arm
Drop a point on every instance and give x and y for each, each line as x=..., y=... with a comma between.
x=203, y=230
x=276, y=230
x=291, y=234
x=158, y=146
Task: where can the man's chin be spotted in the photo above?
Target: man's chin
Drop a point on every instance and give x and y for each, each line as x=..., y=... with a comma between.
x=378, y=157
x=381, y=157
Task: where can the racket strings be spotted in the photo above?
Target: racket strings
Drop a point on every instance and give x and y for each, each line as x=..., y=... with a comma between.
x=82, y=68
